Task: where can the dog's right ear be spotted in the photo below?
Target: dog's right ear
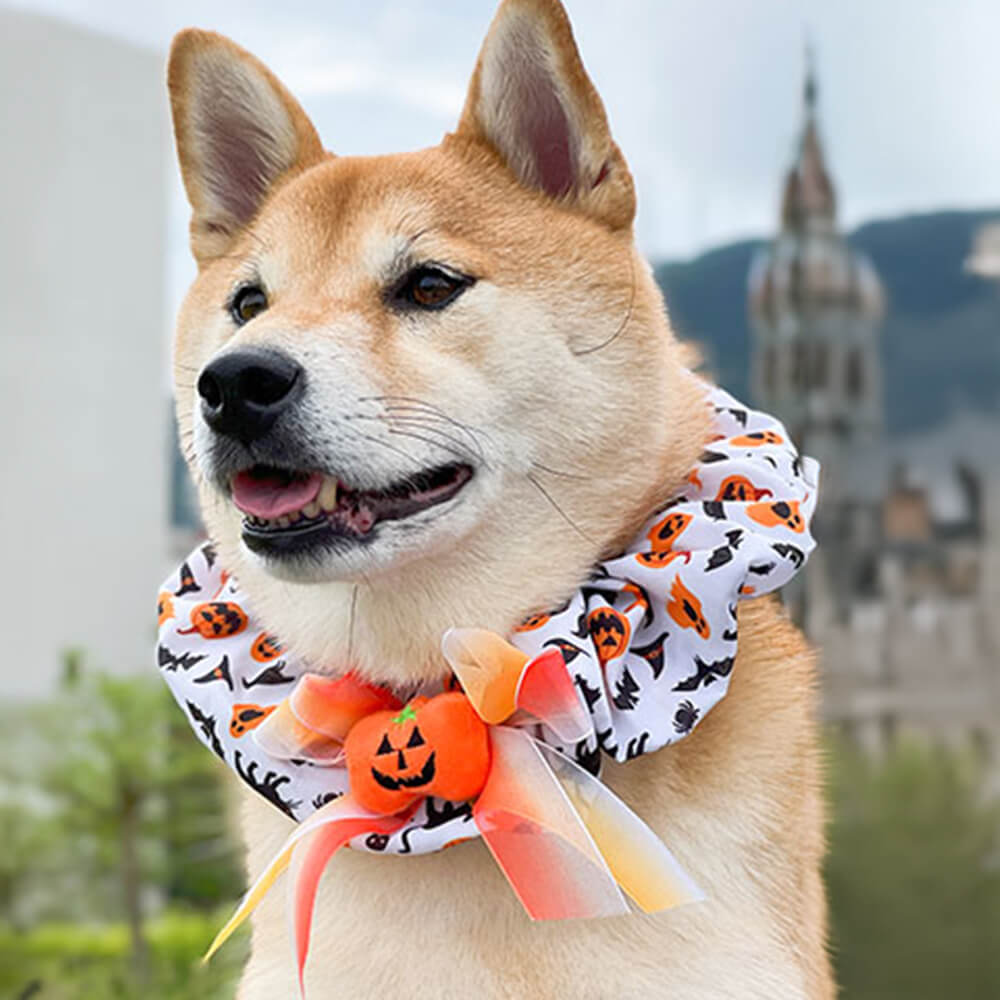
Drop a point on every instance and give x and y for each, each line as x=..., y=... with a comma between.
x=239, y=132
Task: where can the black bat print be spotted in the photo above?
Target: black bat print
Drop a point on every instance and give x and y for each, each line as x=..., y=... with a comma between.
x=653, y=654
x=626, y=690
x=206, y=723
x=188, y=583
x=169, y=661
x=740, y=416
x=705, y=672
x=217, y=673
x=208, y=551
x=762, y=569
x=735, y=537
x=591, y=695
x=713, y=456
x=720, y=557
x=269, y=675
x=714, y=509
x=588, y=757
x=636, y=746
x=730, y=635
x=790, y=552
x=268, y=785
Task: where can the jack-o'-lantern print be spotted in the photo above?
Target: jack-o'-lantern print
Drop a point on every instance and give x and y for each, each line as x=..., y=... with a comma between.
x=667, y=530
x=640, y=599
x=266, y=648
x=782, y=512
x=610, y=632
x=685, y=609
x=757, y=439
x=660, y=558
x=216, y=620
x=246, y=717
x=739, y=488
x=434, y=746
x=534, y=621
x=164, y=607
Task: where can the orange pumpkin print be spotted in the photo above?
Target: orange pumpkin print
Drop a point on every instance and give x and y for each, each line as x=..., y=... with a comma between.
x=434, y=746
x=659, y=559
x=685, y=609
x=694, y=480
x=533, y=622
x=739, y=488
x=782, y=512
x=666, y=531
x=756, y=439
x=216, y=620
x=266, y=648
x=164, y=607
x=610, y=631
x=247, y=717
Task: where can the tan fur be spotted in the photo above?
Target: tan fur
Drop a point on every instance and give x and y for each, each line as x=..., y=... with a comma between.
x=561, y=361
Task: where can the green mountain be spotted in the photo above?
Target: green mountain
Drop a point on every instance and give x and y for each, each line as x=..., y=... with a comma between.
x=940, y=339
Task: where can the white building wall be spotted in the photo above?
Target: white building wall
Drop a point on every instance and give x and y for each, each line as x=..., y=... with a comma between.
x=83, y=423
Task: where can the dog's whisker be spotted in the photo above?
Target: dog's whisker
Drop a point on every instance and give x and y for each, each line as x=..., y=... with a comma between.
x=545, y=493
x=624, y=322
x=558, y=472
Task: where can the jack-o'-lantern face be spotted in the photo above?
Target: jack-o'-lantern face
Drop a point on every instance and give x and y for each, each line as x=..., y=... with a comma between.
x=740, y=488
x=757, y=439
x=247, y=717
x=666, y=531
x=265, y=648
x=164, y=607
x=436, y=746
x=685, y=609
x=216, y=620
x=535, y=621
x=783, y=512
x=610, y=632
x=661, y=558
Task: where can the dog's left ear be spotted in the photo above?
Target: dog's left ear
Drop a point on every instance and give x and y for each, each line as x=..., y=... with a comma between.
x=531, y=100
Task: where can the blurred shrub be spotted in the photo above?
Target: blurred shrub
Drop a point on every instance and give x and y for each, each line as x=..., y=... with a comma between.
x=60, y=961
x=914, y=875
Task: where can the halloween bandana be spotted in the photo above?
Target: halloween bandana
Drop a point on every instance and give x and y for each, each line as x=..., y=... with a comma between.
x=649, y=640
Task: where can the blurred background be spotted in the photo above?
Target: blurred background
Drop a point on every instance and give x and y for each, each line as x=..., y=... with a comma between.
x=819, y=192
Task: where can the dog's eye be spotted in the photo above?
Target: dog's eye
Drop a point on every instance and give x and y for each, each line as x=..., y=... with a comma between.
x=431, y=288
x=248, y=302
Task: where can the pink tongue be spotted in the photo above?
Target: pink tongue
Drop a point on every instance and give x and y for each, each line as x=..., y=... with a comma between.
x=272, y=496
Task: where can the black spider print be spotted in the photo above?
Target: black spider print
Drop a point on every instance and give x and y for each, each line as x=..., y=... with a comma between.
x=220, y=672
x=189, y=584
x=791, y=552
x=568, y=650
x=636, y=746
x=269, y=675
x=626, y=691
x=591, y=695
x=653, y=654
x=706, y=673
x=206, y=723
x=685, y=717
x=326, y=797
x=268, y=785
x=171, y=661
x=377, y=841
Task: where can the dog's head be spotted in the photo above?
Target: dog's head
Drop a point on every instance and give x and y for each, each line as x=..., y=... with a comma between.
x=423, y=389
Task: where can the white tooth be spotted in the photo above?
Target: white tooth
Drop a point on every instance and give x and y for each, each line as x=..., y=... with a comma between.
x=328, y=494
x=311, y=509
x=282, y=522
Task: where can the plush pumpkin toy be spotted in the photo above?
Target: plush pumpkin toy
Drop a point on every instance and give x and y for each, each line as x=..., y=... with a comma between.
x=434, y=746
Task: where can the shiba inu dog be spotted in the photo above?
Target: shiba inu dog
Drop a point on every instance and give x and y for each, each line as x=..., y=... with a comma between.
x=433, y=388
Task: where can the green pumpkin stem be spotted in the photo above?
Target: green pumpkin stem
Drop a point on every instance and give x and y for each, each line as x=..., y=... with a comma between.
x=407, y=715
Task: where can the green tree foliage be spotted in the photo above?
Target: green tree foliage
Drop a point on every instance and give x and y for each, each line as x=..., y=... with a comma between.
x=913, y=876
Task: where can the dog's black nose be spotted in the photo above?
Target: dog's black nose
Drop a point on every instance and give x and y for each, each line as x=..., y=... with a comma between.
x=244, y=392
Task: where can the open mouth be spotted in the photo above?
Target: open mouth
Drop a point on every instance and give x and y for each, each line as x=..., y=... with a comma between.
x=288, y=512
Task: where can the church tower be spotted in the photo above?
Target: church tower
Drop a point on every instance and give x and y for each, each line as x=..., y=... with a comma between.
x=815, y=308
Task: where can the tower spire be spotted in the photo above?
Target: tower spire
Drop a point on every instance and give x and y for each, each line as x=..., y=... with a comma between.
x=810, y=88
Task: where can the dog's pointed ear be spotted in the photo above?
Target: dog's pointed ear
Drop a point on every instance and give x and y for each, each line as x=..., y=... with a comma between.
x=531, y=100
x=239, y=132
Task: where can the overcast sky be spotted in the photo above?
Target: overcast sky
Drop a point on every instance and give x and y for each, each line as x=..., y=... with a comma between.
x=704, y=97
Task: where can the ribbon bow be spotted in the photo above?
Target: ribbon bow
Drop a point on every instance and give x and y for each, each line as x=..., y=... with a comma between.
x=567, y=844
